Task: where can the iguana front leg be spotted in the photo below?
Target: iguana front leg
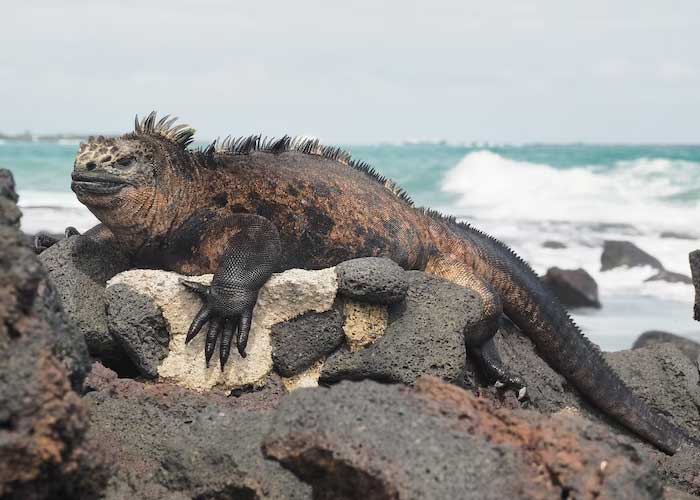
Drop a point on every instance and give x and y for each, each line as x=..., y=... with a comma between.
x=251, y=256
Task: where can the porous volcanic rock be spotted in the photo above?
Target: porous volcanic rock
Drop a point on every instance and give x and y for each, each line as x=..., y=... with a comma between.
x=42, y=420
x=138, y=326
x=301, y=341
x=688, y=347
x=79, y=267
x=625, y=253
x=367, y=440
x=372, y=279
x=573, y=287
x=167, y=442
x=283, y=297
x=424, y=336
x=665, y=378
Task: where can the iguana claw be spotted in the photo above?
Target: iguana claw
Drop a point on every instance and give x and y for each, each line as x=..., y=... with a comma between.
x=229, y=316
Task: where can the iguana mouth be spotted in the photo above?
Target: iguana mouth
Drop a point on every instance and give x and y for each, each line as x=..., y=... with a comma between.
x=97, y=185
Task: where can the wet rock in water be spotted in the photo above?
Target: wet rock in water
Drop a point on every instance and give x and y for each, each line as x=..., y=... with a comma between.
x=574, y=288
x=167, y=442
x=688, y=347
x=425, y=335
x=368, y=440
x=670, y=277
x=137, y=324
x=372, y=279
x=79, y=267
x=694, y=258
x=677, y=235
x=555, y=245
x=625, y=253
x=299, y=342
x=42, y=420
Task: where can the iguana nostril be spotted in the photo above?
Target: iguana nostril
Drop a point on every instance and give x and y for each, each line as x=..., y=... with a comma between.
x=91, y=165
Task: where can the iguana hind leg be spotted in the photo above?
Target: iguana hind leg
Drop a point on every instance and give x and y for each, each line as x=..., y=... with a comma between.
x=252, y=255
x=479, y=338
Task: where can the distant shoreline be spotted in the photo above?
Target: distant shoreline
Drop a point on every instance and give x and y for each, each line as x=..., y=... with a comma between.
x=29, y=137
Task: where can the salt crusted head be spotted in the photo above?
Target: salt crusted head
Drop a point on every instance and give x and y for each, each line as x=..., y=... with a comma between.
x=117, y=178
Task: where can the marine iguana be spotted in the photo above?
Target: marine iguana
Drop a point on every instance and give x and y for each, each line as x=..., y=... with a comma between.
x=244, y=208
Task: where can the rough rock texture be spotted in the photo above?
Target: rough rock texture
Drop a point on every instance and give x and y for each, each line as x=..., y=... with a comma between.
x=555, y=245
x=371, y=441
x=283, y=297
x=299, y=342
x=670, y=277
x=9, y=213
x=79, y=267
x=688, y=347
x=42, y=420
x=372, y=279
x=364, y=323
x=424, y=336
x=666, y=379
x=694, y=258
x=625, y=253
x=307, y=378
x=662, y=375
x=138, y=326
x=575, y=288
x=167, y=442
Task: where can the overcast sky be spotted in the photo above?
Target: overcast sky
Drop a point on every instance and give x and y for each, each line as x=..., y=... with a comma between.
x=366, y=71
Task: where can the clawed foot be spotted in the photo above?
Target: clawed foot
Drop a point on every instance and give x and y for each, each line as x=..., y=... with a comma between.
x=229, y=313
x=496, y=373
x=516, y=385
x=44, y=241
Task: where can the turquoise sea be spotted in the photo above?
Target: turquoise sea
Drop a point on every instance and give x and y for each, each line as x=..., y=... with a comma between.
x=576, y=194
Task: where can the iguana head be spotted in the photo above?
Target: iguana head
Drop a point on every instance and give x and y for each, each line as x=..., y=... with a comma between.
x=119, y=178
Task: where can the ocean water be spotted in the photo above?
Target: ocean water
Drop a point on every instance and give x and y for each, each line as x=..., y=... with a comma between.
x=579, y=195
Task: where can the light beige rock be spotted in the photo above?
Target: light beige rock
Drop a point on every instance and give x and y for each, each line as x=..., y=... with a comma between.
x=283, y=297
x=364, y=323
x=307, y=378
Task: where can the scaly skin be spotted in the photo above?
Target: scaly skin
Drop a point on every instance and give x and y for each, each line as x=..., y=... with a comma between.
x=176, y=210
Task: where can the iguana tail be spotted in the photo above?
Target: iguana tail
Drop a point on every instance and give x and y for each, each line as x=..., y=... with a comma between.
x=559, y=341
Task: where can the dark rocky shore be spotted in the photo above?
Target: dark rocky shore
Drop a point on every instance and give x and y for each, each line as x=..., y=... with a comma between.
x=356, y=386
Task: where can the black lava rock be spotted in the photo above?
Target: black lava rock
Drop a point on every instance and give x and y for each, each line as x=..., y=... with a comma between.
x=671, y=277
x=79, y=267
x=625, y=253
x=299, y=342
x=694, y=258
x=556, y=245
x=170, y=443
x=372, y=279
x=425, y=335
x=365, y=440
x=575, y=288
x=138, y=326
x=688, y=347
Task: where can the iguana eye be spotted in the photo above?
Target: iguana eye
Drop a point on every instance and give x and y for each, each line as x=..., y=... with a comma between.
x=125, y=162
